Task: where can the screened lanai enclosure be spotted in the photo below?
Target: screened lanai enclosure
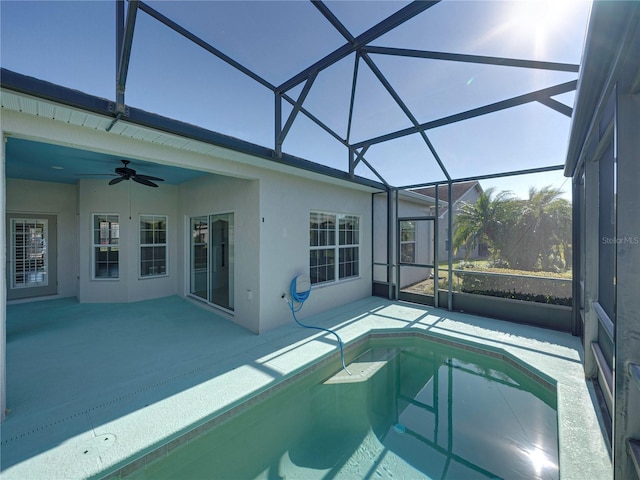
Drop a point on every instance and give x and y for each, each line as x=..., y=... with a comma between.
x=384, y=94
x=460, y=142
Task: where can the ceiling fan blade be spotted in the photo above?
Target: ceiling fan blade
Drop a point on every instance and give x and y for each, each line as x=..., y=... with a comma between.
x=116, y=180
x=149, y=177
x=143, y=181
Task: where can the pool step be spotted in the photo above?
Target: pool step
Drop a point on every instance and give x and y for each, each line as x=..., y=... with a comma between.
x=364, y=367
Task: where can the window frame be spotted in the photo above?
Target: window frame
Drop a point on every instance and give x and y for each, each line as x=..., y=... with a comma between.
x=142, y=246
x=109, y=246
x=408, y=242
x=342, y=243
x=30, y=256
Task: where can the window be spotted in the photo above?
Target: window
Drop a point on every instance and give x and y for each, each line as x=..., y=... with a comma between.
x=29, y=252
x=106, y=252
x=153, y=245
x=334, y=242
x=408, y=242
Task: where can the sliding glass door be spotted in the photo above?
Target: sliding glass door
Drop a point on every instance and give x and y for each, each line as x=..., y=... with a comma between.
x=212, y=258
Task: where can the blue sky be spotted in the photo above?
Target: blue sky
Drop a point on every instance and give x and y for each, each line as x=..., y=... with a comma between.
x=72, y=44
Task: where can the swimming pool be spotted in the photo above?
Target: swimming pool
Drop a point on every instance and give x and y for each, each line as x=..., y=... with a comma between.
x=413, y=408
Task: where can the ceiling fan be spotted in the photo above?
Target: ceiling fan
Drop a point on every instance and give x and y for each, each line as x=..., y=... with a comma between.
x=126, y=173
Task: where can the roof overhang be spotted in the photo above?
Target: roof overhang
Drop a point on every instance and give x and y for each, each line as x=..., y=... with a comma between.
x=144, y=125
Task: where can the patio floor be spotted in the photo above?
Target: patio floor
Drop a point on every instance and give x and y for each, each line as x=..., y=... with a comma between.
x=90, y=386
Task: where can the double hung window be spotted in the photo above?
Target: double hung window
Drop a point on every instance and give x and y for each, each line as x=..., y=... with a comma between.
x=153, y=245
x=334, y=241
x=106, y=250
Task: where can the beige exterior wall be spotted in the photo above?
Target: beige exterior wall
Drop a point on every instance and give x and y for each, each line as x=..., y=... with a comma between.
x=271, y=207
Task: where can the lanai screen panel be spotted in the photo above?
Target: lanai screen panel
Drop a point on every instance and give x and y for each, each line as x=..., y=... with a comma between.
x=333, y=81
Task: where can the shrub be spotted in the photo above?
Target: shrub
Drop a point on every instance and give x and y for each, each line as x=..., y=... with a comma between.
x=516, y=285
x=498, y=263
x=529, y=297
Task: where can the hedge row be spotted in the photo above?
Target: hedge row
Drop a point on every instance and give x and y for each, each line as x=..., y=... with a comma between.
x=515, y=285
x=523, y=296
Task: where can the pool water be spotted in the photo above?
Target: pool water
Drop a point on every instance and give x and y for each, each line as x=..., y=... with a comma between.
x=417, y=411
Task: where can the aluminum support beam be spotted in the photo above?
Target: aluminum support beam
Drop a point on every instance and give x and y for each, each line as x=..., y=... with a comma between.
x=352, y=101
x=626, y=414
x=359, y=156
x=238, y=66
x=374, y=68
x=396, y=259
x=591, y=268
x=455, y=57
x=3, y=284
x=356, y=157
x=578, y=248
x=391, y=22
x=390, y=243
x=119, y=33
x=374, y=171
x=557, y=106
x=277, y=113
x=450, y=241
x=347, y=35
x=315, y=120
x=436, y=248
x=200, y=42
x=476, y=112
x=486, y=177
x=296, y=108
x=124, y=55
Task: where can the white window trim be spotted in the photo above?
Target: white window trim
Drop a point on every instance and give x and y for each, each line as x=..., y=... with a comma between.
x=94, y=245
x=336, y=247
x=12, y=254
x=166, y=247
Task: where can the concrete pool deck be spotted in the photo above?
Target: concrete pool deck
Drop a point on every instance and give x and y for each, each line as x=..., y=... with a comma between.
x=90, y=387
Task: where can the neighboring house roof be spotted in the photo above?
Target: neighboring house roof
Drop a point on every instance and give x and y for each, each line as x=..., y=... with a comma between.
x=459, y=190
x=411, y=196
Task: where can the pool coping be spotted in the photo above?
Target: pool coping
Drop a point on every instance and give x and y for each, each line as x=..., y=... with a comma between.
x=352, y=350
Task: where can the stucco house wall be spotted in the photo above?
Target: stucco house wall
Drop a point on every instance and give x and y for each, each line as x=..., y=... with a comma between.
x=271, y=207
x=128, y=201
x=286, y=202
x=215, y=194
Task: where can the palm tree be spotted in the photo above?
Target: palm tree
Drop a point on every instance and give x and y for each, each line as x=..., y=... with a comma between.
x=540, y=236
x=532, y=234
x=484, y=221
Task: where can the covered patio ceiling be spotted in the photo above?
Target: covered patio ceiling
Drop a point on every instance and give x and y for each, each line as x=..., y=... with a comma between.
x=394, y=93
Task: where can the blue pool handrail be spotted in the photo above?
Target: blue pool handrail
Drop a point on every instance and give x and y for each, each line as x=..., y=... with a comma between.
x=300, y=289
